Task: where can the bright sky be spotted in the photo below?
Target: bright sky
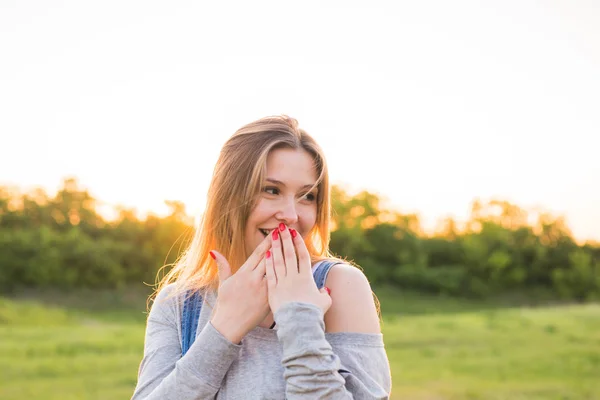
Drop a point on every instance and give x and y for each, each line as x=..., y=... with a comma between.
x=428, y=103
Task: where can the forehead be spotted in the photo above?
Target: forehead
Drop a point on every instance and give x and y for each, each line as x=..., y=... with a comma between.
x=291, y=166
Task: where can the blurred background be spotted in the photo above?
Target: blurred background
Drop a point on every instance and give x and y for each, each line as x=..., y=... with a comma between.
x=462, y=139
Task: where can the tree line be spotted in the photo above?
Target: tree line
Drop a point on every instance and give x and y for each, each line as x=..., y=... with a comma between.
x=61, y=241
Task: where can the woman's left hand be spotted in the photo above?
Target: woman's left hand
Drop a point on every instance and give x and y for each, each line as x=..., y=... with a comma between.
x=289, y=272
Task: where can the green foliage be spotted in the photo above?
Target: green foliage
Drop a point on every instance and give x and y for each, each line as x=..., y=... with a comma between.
x=497, y=251
x=62, y=242
x=581, y=277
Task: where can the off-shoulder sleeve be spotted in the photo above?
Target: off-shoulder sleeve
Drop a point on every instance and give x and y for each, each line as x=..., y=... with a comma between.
x=364, y=363
x=164, y=374
x=332, y=366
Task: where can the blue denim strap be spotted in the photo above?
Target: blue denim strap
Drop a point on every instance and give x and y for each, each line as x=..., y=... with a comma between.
x=189, y=320
x=322, y=270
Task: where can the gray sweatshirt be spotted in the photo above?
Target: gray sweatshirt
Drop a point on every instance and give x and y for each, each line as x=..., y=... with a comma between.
x=296, y=361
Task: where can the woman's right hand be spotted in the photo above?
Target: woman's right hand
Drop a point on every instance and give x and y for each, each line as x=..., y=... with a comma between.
x=242, y=302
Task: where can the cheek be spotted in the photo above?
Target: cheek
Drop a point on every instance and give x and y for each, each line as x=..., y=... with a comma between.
x=258, y=213
x=308, y=218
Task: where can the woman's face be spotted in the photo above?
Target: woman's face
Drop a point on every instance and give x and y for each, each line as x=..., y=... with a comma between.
x=285, y=196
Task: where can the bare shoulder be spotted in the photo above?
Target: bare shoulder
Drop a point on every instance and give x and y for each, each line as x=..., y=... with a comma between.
x=353, y=306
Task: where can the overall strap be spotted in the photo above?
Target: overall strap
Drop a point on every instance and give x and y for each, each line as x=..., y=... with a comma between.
x=320, y=273
x=189, y=320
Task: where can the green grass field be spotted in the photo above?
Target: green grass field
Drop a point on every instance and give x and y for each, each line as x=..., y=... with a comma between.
x=89, y=345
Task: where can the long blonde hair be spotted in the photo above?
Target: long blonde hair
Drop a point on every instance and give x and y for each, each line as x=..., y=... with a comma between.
x=237, y=180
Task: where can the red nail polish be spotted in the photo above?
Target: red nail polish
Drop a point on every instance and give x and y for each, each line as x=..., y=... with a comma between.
x=281, y=226
x=293, y=232
x=213, y=255
x=275, y=234
x=328, y=291
x=268, y=254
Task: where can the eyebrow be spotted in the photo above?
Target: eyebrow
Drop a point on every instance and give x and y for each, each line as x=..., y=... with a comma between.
x=275, y=181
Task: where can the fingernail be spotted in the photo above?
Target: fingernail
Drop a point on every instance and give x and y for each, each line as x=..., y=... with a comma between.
x=275, y=234
x=281, y=226
x=268, y=254
x=293, y=232
x=212, y=255
x=328, y=291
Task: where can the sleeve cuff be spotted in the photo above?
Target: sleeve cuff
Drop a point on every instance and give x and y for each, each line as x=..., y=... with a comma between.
x=301, y=329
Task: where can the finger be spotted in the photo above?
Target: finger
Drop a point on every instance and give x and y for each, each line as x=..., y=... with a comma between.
x=289, y=252
x=304, y=263
x=258, y=253
x=270, y=271
x=277, y=255
x=326, y=294
x=222, y=265
x=260, y=270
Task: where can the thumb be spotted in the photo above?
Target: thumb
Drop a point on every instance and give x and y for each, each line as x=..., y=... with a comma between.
x=325, y=299
x=222, y=265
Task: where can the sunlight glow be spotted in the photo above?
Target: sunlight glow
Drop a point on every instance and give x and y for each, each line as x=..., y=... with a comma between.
x=429, y=104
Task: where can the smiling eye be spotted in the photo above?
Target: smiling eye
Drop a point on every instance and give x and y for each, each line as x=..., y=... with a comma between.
x=271, y=190
x=309, y=196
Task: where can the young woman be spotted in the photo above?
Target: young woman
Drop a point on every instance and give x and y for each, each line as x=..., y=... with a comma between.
x=257, y=308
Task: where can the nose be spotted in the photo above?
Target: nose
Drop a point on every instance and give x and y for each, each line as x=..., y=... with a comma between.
x=288, y=213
